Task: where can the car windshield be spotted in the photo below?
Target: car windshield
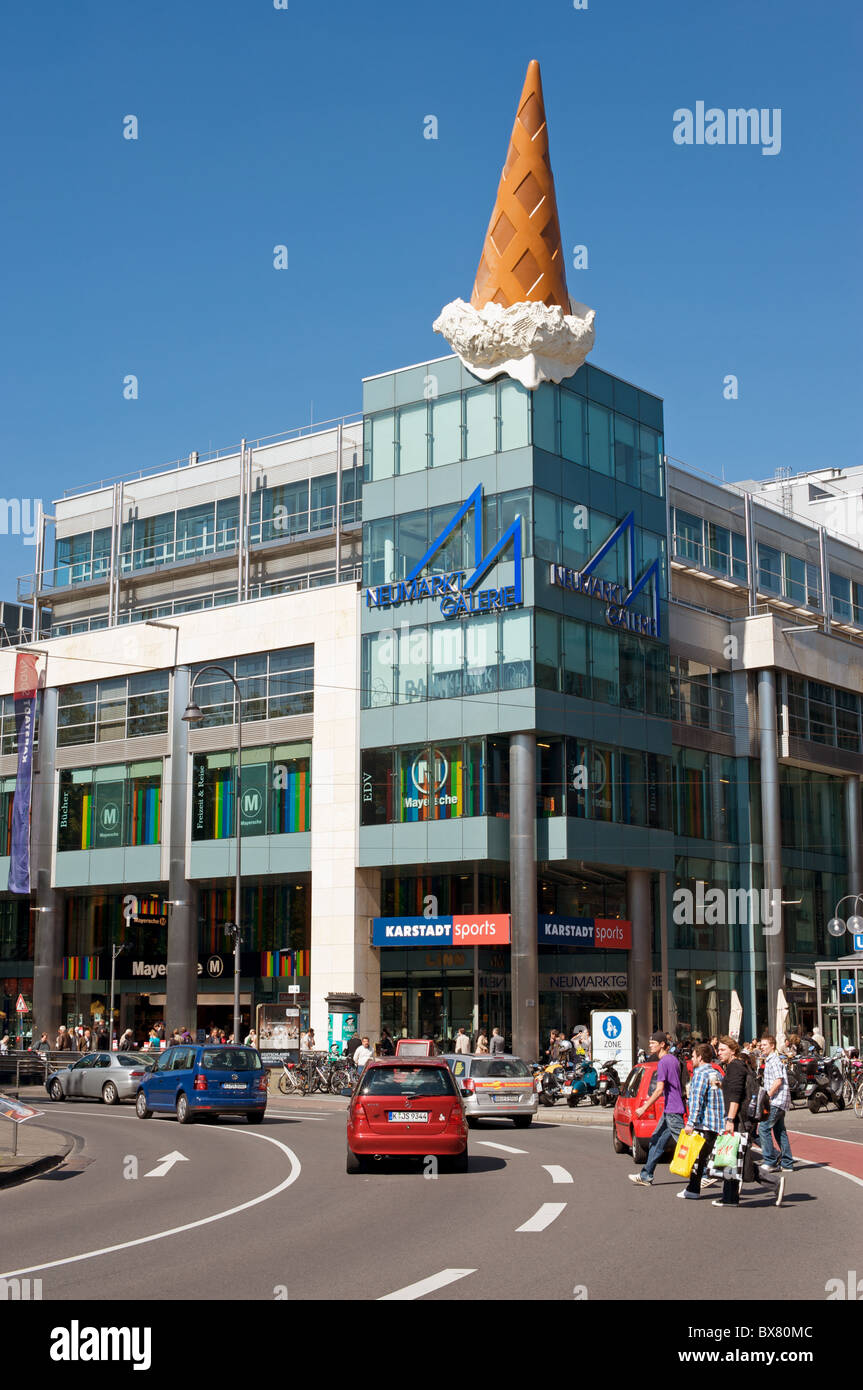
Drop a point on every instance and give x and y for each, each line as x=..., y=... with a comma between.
x=230, y=1059
x=498, y=1066
x=407, y=1081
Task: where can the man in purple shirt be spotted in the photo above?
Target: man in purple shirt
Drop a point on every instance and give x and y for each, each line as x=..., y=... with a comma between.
x=668, y=1086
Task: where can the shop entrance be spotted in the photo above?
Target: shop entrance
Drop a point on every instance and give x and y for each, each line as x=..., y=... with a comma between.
x=221, y=1016
x=436, y=1010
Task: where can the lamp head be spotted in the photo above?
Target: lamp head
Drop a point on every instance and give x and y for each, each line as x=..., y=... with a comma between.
x=193, y=713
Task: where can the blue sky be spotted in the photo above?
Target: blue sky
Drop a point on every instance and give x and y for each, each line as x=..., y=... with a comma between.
x=304, y=127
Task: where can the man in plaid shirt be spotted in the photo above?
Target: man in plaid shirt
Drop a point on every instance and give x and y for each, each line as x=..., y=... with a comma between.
x=706, y=1113
x=776, y=1086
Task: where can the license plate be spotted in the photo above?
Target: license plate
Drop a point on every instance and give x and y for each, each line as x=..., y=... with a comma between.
x=409, y=1117
x=233, y=1086
x=513, y=1096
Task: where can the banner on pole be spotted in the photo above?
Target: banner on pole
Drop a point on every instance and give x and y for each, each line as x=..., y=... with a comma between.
x=26, y=690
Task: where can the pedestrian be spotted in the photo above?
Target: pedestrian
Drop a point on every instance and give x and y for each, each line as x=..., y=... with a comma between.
x=363, y=1054
x=462, y=1042
x=386, y=1046
x=706, y=1113
x=65, y=1041
x=734, y=1088
x=818, y=1038
x=4, y=1045
x=554, y=1045
x=354, y=1041
x=43, y=1045
x=773, y=1127
x=669, y=1087
x=496, y=1045
x=481, y=1044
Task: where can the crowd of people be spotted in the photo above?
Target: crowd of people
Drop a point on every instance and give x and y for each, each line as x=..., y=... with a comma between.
x=728, y=1094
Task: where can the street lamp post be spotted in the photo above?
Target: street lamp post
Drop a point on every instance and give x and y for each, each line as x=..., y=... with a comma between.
x=837, y=927
x=193, y=715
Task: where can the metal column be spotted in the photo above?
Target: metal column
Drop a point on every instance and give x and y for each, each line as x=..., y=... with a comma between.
x=774, y=931
x=48, y=904
x=522, y=850
x=241, y=519
x=751, y=571
x=852, y=820
x=181, y=1004
x=638, y=906
x=825, y=579
x=338, y=503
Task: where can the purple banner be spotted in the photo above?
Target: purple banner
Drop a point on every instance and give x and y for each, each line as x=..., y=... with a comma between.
x=25, y=725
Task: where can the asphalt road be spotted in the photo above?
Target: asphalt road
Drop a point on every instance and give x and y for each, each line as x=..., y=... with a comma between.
x=267, y=1213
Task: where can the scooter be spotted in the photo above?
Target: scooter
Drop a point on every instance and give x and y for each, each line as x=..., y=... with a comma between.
x=553, y=1082
x=584, y=1083
x=823, y=1085
x=608, y=1088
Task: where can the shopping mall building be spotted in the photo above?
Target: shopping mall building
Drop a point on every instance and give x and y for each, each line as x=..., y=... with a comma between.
x=534, y=719
x=403, y=729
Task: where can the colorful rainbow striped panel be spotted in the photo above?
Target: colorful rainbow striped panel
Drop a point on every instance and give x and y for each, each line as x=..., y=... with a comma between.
x=80, y=967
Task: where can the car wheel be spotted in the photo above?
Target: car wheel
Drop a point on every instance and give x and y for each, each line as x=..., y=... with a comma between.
x=522, y=1121
x=255, y=1117
x=55, y=1090
x=142, y=1109
x=354, y=1163
x=639, y=1150
x=619, y=1146
x=109, y=1093
x=184, y=1110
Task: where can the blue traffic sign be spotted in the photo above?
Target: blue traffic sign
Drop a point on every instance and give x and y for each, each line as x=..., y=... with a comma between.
x=858, y=941
x=612, y=1027
x=846, y=985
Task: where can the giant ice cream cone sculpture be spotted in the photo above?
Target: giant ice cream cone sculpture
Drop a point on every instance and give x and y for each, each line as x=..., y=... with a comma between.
x=521, y=319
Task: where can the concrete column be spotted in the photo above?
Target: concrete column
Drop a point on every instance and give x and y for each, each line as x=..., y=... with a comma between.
x=665, y=993
x=771, y=832
x=522, y=852
x=181, y=1003
x=638, y=907
x=852, y=823
x=49, y=904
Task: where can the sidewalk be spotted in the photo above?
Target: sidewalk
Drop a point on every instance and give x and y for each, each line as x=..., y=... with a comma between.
x=39, y=1150
x=545, y=1114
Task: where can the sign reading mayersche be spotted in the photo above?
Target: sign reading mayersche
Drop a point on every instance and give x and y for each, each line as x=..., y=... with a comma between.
x=617, y=597
x=457, y=590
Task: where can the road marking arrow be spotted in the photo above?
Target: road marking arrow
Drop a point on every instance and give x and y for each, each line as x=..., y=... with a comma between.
x=166, y=1164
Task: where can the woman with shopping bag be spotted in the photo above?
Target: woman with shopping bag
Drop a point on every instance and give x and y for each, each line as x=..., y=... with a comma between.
x=731, y=1160
x=706, y=1115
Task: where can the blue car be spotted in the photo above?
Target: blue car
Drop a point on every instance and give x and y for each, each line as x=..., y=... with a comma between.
x=198, y=1080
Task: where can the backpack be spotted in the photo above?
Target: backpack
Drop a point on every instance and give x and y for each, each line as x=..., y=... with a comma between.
x=684, y=1077
x=756, y=1102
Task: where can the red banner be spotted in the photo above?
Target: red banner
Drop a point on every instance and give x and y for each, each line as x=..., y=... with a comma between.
x=611, y=934
x=26, y=679
x=481, y=930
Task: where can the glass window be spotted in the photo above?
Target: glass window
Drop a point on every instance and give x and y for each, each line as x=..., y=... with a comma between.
x=514, y=407
x=718, y=548
x=813, y=586
x=577, y=777
x=840, y=596
x=576, y=527
x=545, y=417
x=413, y=438
x=383, y=429
x=658, y=791
x=290, y=778
x=515, y=669
x=692, y=793
x=379, y=551
x=572, y=432
x=550, y=777
x=795, y=579
x=632, y=787
x=626, y=458
x=412, y=542
x=379, y=664
x=446, y=430
x=195, y=531
x=604, y=667
x=153, y=542
x=601, y=783
x=481, y=656
x=546, y=527
x=631, y=672
x=376, y=787
x=848, y=720
x=650, y=460
x=688, y=539
x=821, y=725
x=227, y=522
x=599, y=438
x=74, y=825
x=456, y=551
x=576, y=671
x=413, y=648
x=769, y=569
x=323, y=502
x=416, y=773
x=144, y=804
x=76, y=715
x=798, y=716
x=498, y=777
x=547, y=650
x=481, y=424
x=447, y=661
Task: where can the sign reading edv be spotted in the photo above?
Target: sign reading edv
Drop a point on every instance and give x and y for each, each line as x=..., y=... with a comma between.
x=478, y=930
x=603, y=933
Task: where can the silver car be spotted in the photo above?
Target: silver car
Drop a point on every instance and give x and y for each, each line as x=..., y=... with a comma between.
x=498, y=1087
x=107, y=1076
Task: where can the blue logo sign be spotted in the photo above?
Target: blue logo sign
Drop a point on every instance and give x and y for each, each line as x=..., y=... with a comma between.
x=411, y=931
x=565, y=931
x=458, y=591
x=858, y=941
x=846, y=986
x=617, y=597
x=612, y=1026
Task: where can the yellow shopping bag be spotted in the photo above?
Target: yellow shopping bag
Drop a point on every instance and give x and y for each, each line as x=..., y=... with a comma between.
x=685, y=1154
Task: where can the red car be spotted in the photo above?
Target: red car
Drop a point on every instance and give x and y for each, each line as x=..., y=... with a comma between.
x=631, y=1132
x=406, y=1108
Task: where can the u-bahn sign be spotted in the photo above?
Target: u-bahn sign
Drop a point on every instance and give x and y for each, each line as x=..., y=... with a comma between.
x=457, y=590
x=618, y=598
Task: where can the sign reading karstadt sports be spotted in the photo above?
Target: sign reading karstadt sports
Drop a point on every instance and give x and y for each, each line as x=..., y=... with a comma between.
x=602, y=933
x=480, y=929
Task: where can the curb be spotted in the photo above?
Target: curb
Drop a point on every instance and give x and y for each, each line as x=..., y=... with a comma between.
x=34, y=1169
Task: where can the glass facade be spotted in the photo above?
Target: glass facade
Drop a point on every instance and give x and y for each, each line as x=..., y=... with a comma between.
x=99, y=711
x=272, y=685
x=276, y=792
x=110, y=807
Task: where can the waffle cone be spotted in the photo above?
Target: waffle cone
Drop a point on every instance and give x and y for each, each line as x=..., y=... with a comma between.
x=522, y=259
